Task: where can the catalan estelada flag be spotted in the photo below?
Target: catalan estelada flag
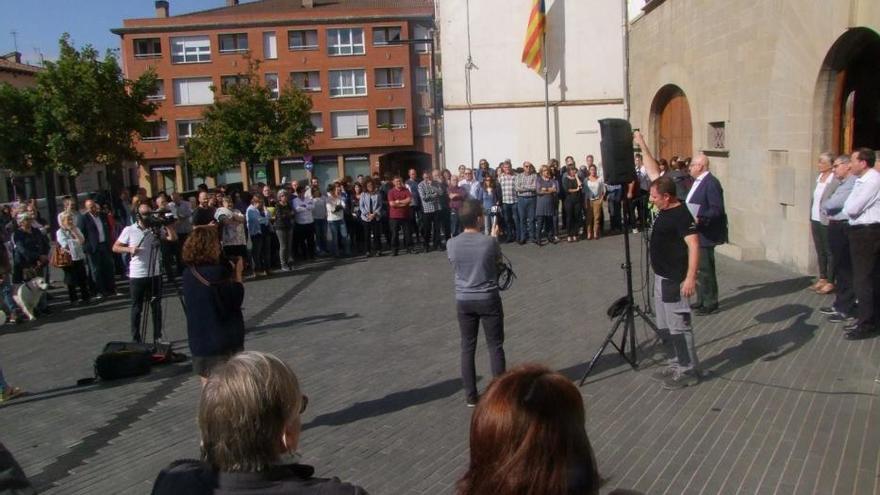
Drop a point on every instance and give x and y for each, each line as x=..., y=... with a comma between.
x=533, y=51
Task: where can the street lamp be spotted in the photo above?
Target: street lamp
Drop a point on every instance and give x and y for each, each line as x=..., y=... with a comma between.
x=432, y=88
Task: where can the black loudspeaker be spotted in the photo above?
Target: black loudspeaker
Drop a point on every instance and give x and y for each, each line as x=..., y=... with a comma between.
x=618, y=163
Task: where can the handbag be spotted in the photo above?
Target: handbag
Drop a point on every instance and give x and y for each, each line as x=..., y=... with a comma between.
x=61, y=258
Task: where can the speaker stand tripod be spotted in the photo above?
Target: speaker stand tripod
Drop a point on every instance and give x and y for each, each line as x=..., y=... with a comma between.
x=626, y=316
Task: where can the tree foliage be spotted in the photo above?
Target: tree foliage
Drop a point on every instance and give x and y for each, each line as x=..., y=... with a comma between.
x=20, y=147
x=82, y=111
x=247, y=124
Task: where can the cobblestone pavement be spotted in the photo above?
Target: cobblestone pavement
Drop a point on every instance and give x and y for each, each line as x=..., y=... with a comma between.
x=789, y=406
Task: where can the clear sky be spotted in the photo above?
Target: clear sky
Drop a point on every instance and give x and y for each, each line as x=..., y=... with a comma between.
x=40, y=23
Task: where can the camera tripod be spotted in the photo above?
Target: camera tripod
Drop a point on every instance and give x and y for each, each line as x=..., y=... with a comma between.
x=624, y=310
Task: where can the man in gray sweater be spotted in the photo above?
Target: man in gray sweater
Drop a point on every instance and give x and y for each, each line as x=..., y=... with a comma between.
x=475, y=258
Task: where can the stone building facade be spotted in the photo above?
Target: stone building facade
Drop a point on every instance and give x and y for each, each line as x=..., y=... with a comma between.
x=762, y=87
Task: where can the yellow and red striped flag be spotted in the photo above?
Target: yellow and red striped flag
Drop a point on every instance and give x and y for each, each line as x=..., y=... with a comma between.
x=533, y=51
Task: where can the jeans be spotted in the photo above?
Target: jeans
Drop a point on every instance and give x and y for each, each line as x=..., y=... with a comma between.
x=488, y=222
x=372, y=236
x=431, y=229
x=321, y=234
x=614, y=209
x=508, y=214
x=146, y=290
x=338, y=233
x=454, y=224
x=284, y=256
x=261, y=252
x=6, y=295
x=543, y=226
x=470, y=314
x=402, y=224
x=525, y=225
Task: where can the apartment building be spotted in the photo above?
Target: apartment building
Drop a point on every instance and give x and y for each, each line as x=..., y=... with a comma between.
x=369, y=80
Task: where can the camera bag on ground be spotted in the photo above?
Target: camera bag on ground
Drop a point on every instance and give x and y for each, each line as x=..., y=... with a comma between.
x=124, y=360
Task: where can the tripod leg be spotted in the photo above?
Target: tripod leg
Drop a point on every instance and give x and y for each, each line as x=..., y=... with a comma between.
x=608, y=340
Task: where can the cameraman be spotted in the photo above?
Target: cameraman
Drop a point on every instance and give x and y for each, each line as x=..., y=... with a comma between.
x=141, y=242
x=475, y=258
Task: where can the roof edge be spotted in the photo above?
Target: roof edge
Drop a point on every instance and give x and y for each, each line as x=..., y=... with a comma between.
x=160, y=28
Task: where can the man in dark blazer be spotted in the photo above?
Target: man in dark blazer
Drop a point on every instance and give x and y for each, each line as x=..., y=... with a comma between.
x=98, y=239
x=705, y=200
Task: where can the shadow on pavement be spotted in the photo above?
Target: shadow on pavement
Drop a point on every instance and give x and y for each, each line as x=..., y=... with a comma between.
x=306, y=321
x=766, y=347
x=394, y=402
x=761, y=291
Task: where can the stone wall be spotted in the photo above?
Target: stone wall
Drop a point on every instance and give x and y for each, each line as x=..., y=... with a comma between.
x=754, y=65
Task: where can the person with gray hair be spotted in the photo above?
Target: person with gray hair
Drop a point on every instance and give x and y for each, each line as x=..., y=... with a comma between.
x=250, y=419
x=844, y=306
x=825, y=186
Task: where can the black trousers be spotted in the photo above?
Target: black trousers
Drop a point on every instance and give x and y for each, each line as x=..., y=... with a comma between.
x=261, y=252
x=170, y=261
x=372, y=236
x=838, y=240
x=470, y=313
x=181, y=240
x=431, y=229
x=146, y=290
x=573, y=214
x=404, y=225
x=304, y=240
x=864, y=246
x=75, y=276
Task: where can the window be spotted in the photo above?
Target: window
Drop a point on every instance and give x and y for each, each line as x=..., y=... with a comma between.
x=357, y=165
x=347, y=41
x=302, y=40
x=350, y=124
x=423, y=79
x=317, y=121
x=156, y=130
x=148, y=47
x=389, y=77
x=190, y=50
x=186, y=129
x=386, y=34
x=231, y=43
x=424, y=124
x=391, y=119
x=348, y=82
x=228, y=81
x=272, y=84
x=306, y=81
x=159, y=94
x=193, y=91
x=270, y=45
x=422, y=32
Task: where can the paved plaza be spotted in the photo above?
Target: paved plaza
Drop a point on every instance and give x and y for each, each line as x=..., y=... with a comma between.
x=788, y=405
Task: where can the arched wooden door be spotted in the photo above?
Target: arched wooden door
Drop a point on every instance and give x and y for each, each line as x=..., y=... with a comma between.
x=672, y=115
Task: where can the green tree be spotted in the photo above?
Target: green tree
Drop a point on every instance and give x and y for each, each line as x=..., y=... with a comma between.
x=20, y=148
x=88, y=112
x=247, y=124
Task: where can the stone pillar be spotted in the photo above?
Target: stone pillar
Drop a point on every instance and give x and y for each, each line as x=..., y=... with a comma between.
x=245, y=176
x=144, y=179
x=178, y=177
x=276, y=164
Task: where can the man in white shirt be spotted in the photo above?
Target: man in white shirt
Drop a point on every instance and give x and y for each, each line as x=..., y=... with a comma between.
x=144, y=274
x=863, y=208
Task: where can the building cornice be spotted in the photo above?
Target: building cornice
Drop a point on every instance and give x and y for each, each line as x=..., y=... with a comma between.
x=533, y=104
x=201, y=26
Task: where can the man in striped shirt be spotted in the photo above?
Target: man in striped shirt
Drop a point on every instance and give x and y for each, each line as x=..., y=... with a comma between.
x=507, y=182
x=526, y=186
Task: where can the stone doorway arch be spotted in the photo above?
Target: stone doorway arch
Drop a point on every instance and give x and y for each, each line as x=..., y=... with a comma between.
x=671, y=122
x=847, y=106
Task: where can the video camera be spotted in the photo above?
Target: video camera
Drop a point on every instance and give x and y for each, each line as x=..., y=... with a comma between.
x=157, y=219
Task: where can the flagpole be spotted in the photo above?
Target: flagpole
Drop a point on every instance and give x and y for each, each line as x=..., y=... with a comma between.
x=546, y=92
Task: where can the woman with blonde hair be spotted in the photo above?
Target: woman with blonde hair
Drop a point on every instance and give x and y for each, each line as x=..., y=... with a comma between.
x=71, y=240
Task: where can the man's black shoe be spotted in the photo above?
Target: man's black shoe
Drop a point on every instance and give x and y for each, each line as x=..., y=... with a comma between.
x=828, y=310
x=696, y=305
x=706, y=310
x=521, y=243
x=851, y=326
x=394, y=253
x=840, y=318
x=858, y=334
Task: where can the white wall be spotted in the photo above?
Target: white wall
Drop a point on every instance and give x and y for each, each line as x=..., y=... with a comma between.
x=585, y=67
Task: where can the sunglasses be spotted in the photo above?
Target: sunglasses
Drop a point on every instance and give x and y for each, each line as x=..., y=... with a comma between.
x=305, y=404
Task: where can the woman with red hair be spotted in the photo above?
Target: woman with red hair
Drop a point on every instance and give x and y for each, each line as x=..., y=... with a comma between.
x=528, y=436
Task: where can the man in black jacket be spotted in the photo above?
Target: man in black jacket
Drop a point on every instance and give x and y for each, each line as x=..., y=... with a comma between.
x=98, y=239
